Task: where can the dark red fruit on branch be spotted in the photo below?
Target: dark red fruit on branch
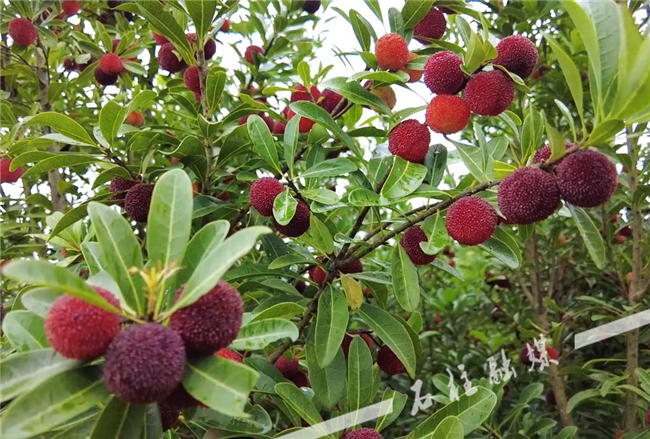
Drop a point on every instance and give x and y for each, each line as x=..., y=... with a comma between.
x=544, y=153
x=298, y=225
x=347, y=340
x=168, y=416
x=311, y=6
x=528, y=195
x=7, y=176
x=253, y=52
x=111, y=64
x=288, y=368
x=192, y=80
x=263, y=193
x=447, y=114
x=392, y=52
x=517, y=54
x=411, y=240
x=471, y=221
x=318, y=275
x=489, y=93
x=168, y=60
x=388, y=361
x=22, y=31
x=586, y=178
x=442, y=73
x=105, y=78
x=119, y=186
x=410, y=140
x=431, y=27
x=362, y=433
x=138, y=201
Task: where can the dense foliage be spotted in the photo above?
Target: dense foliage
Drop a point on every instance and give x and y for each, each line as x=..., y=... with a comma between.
x=206, y=233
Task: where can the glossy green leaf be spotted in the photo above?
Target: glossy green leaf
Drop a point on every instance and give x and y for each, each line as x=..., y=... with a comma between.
x=399, y=401
x=60, y=160
x=434, y=228
x=359, y=387
x=291, y=135
x=331, y=323
x=215, y=83
x=221, y=384
x=298, y=401
x=361, y=30
x=396, y=21
x=263, y=142
x=391, y=332
x=592, y=237
x=201, y=12
x=404, y=178
x=284, y=207
x=24, y=330
x=330, y=168
x=121, y=252
x=163, y=23
x=405, y=280
x=323, y=196
x=317, y=114
x=328, y=382
x=436, y=161
x=503, y=246
x=414, y=11
x=111, y=117
x=319, y=236
x=119, y=419
x=259, y=334
x=62, y=124
x=355, y=93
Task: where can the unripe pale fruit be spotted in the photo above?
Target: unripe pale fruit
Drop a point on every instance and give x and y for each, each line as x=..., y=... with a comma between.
x=298, y=225
x=517, y=54
x=489, y=93
x=432, y=26
x=263, y=193
x=410, y=140
x=586, y=178
x=414, y=75
x=388, y=361
x=22, y=31
x=411, y=240
x=7, y=176
x=442, y=73
x=528, y=195
x=144, y=363
x=79, y=330
x=471, y=221
x=392, y=52
x=138, y=201
x=447, y=114
x=386, y=94
x=253, y=52
x=212, y=322
x=168, y=60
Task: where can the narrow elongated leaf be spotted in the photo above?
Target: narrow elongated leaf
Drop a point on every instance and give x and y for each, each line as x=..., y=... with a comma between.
x=359, y=369
x=354, y=92
x=298, y=401
x=312, y=111
x=361, y=30
x=291, y=135
x=25, y=371
x=404, y=178
x=323, y=196
x=221, y=384
x=405, y=280
x=328, y=382
x=592, y=237
x=414, y=11
x=111, y=118
x=62, y=124
x=152, y=423
x=170, y=218
x=263, y=142
x=201, y=12
x=375, y=8
x=330, y=168
x=331, y=323
x=259, y=334
x=319, y=236
x=60, y=279
x=504, y=247
x=24, y=330
x=211, y=235
x=121, y=252
x=470, y=410
x=60, y=160
x=215, y=83
x=399, y=401
x=164, y=24
x=118, y=420
x=391, y=332
x=53, y=402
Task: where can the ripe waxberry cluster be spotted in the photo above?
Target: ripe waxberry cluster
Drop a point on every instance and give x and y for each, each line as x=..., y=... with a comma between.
x=262, y=195
x=583, y=178
x=144, y=363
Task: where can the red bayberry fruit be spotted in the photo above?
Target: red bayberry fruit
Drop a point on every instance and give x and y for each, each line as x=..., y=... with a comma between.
x=392, y=52
x=411, y=240
x=7, y=176
x=489, y=93
x=263, y=193
x=471, y=221
x=517, y=54
x=410, y=140
x=447, y=114
x=298, y=225
x=431, y=27
x=586, y=178
x=442, y=73
x=388, y=361
x=528, y=195
x=22, y=31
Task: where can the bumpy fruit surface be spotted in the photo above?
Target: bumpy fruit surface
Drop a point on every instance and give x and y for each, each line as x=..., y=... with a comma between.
x=517, y=54
x=362, y=433
x=7, y=176
x=447, y=114
x=442, y=73
x=111, y=64
x=160, y=40
x=471, y=221
x=79, y=330
x=138, y=201
x=528, y=195
x=229, y=354
x=489, y=93
x=252, y=52
x=352, y=267
x=410, y=140
x=168, y=60
x=192, y=80
x=544, y=153
x=392, y=52
x=22, y=31
x=388, y=361
x=168, y=416
x=432, y=26
x=70, y=7
x=411, y=240
x=105, y=78
x=119, y=186
x=586, y=178
x=298, y=225
x=212, y=322
x=329, y=100
x=263, y=193
x=144, y=363
x=288, y=368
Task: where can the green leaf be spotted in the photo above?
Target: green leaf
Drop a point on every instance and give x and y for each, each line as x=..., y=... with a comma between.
x=92, y=253
x=257, y=421
x=291, y=135
x=259, y=334
x=24, y=330
x=361, y=30
x=163, y=23
x=60, y=279
x=436, y=161
x=359, y=369
x=304, y=73
x=398, y=77
x=375, y=8
x=414, y=11
x=434, y=228
x=603, y=132
x=581, y=397
x=152, y=423
x=556, y=140
x=328, y=382
x=317, y=114
x=571, y=74
x=449, y=428
x=60, y=160
x=119, y=419
x=503, y=246
x=221, y=384
x=396, y=21
x=215, y=83
x=405, y=280
x=323, y=196
x=284, y=207
x=216, y=261
x=404, y=178
x=357, y=94
x=111, y=118
x=53, y=402
x=391, y=332
x=298, y=401
x=319, y=236
x=283, y=310
x=567, y=433
x=201, y=12
x=39, y=300
x=62, y=124
x=121, y=252
x=470, y=410
x=592, y=237
x=331, y=323
x=532, y=132
x=330, y=168
x=21, y=372
x=170, y=218
x=399, y=401
x=263, y=142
